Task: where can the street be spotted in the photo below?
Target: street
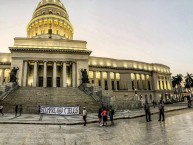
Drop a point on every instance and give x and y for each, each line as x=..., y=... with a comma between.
x=177, y=129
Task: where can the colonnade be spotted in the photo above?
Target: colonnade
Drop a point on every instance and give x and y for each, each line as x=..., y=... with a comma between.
x=109, y=85
x=102, y=81
x=140, y=83
x=58, y=27
x=54, y=75
x=135, y=81
x=164, y=83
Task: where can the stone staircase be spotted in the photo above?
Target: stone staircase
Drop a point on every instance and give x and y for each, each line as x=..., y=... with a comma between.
x=31, y=97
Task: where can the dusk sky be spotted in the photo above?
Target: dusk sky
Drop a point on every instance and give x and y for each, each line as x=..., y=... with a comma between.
x=153, y=31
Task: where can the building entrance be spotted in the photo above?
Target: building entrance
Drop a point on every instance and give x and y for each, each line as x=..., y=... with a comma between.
x=58, y=82
x=49, y=81
x=40, y=81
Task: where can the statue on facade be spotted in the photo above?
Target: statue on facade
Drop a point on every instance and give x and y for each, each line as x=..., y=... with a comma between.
x=84, y=76
x=13, y=74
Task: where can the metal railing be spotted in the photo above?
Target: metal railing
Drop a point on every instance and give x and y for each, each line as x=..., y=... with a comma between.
x=8, y=90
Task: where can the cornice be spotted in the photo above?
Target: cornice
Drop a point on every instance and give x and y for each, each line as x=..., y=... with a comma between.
x=132, y=69
x=5, y=63
x=12, y=49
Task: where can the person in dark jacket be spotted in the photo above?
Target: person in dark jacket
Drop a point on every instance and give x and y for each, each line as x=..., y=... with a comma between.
x=20, y=109
x=100, y=116
x=161, y=110
x=147, y=111
x=111, y=113
x=16, y=110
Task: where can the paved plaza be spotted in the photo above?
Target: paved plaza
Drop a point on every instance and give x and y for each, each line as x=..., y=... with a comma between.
x=73, y=120
x=176, y=130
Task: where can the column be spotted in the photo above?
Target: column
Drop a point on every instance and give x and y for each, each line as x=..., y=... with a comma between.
x=109, y=81
x=169, y=83
x=64, y=74
x=2, y=76
x=146, y=83
x=151, y=83
x=45, y=74
x=102, y=80
x=25, y=74
x=58, y=26
x=165, y=85
x=141, y=84
x=154, y=81
x=35, y=74
x=73, y=74
x=115, y=81
x=94, y=78
x=52, y=21
x=54, y=74
x=38, y=28
x=43, y=29
x=135, y=81
x=162, y=83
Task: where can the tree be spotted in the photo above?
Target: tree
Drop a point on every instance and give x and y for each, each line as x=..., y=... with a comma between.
x=189, y=81
x=176, y=81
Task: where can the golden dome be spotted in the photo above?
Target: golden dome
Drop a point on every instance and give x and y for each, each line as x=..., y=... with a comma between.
x=50, y=20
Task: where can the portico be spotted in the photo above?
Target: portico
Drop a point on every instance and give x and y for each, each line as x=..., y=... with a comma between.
x=49, y=73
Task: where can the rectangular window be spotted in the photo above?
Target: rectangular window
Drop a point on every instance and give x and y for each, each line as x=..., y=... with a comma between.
x=106, y=85
x=113, y=88
x=99, y=83
x=118, y=87
x=133, y=86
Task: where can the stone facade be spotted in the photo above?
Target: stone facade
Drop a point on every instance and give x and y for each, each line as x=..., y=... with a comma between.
x=49, y=57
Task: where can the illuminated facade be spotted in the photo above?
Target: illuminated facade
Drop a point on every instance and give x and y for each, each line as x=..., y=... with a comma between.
x=49, y=57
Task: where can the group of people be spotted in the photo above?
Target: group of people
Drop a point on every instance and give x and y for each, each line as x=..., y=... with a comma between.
x=18, y=109
x=103, y=114
x=148, y=113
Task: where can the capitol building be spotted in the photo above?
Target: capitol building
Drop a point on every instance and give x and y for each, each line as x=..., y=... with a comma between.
x=49, y=57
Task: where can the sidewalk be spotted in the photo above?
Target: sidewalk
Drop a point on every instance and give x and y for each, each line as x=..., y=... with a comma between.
x=75, y=120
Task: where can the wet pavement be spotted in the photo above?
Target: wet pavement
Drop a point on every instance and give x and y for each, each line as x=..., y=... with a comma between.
x=176, y=130
x=74, y=120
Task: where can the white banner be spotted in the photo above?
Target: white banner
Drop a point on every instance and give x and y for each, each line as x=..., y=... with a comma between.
x=59, y=110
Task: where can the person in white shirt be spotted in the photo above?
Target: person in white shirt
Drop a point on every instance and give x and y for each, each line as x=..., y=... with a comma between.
x=84, y=113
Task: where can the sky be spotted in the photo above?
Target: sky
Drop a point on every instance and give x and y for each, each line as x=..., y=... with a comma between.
x=152, y=31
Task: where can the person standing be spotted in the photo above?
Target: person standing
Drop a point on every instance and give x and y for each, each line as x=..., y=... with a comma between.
x=104, y=115
x=84, y=113
x=147, y=111
x=100, y=116
x=161, y=110
x=20, y=109
x=1, y=110
x=16, y=110
x=111, y=113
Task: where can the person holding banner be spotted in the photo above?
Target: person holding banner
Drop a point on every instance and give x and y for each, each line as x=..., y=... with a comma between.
x=84, y=113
